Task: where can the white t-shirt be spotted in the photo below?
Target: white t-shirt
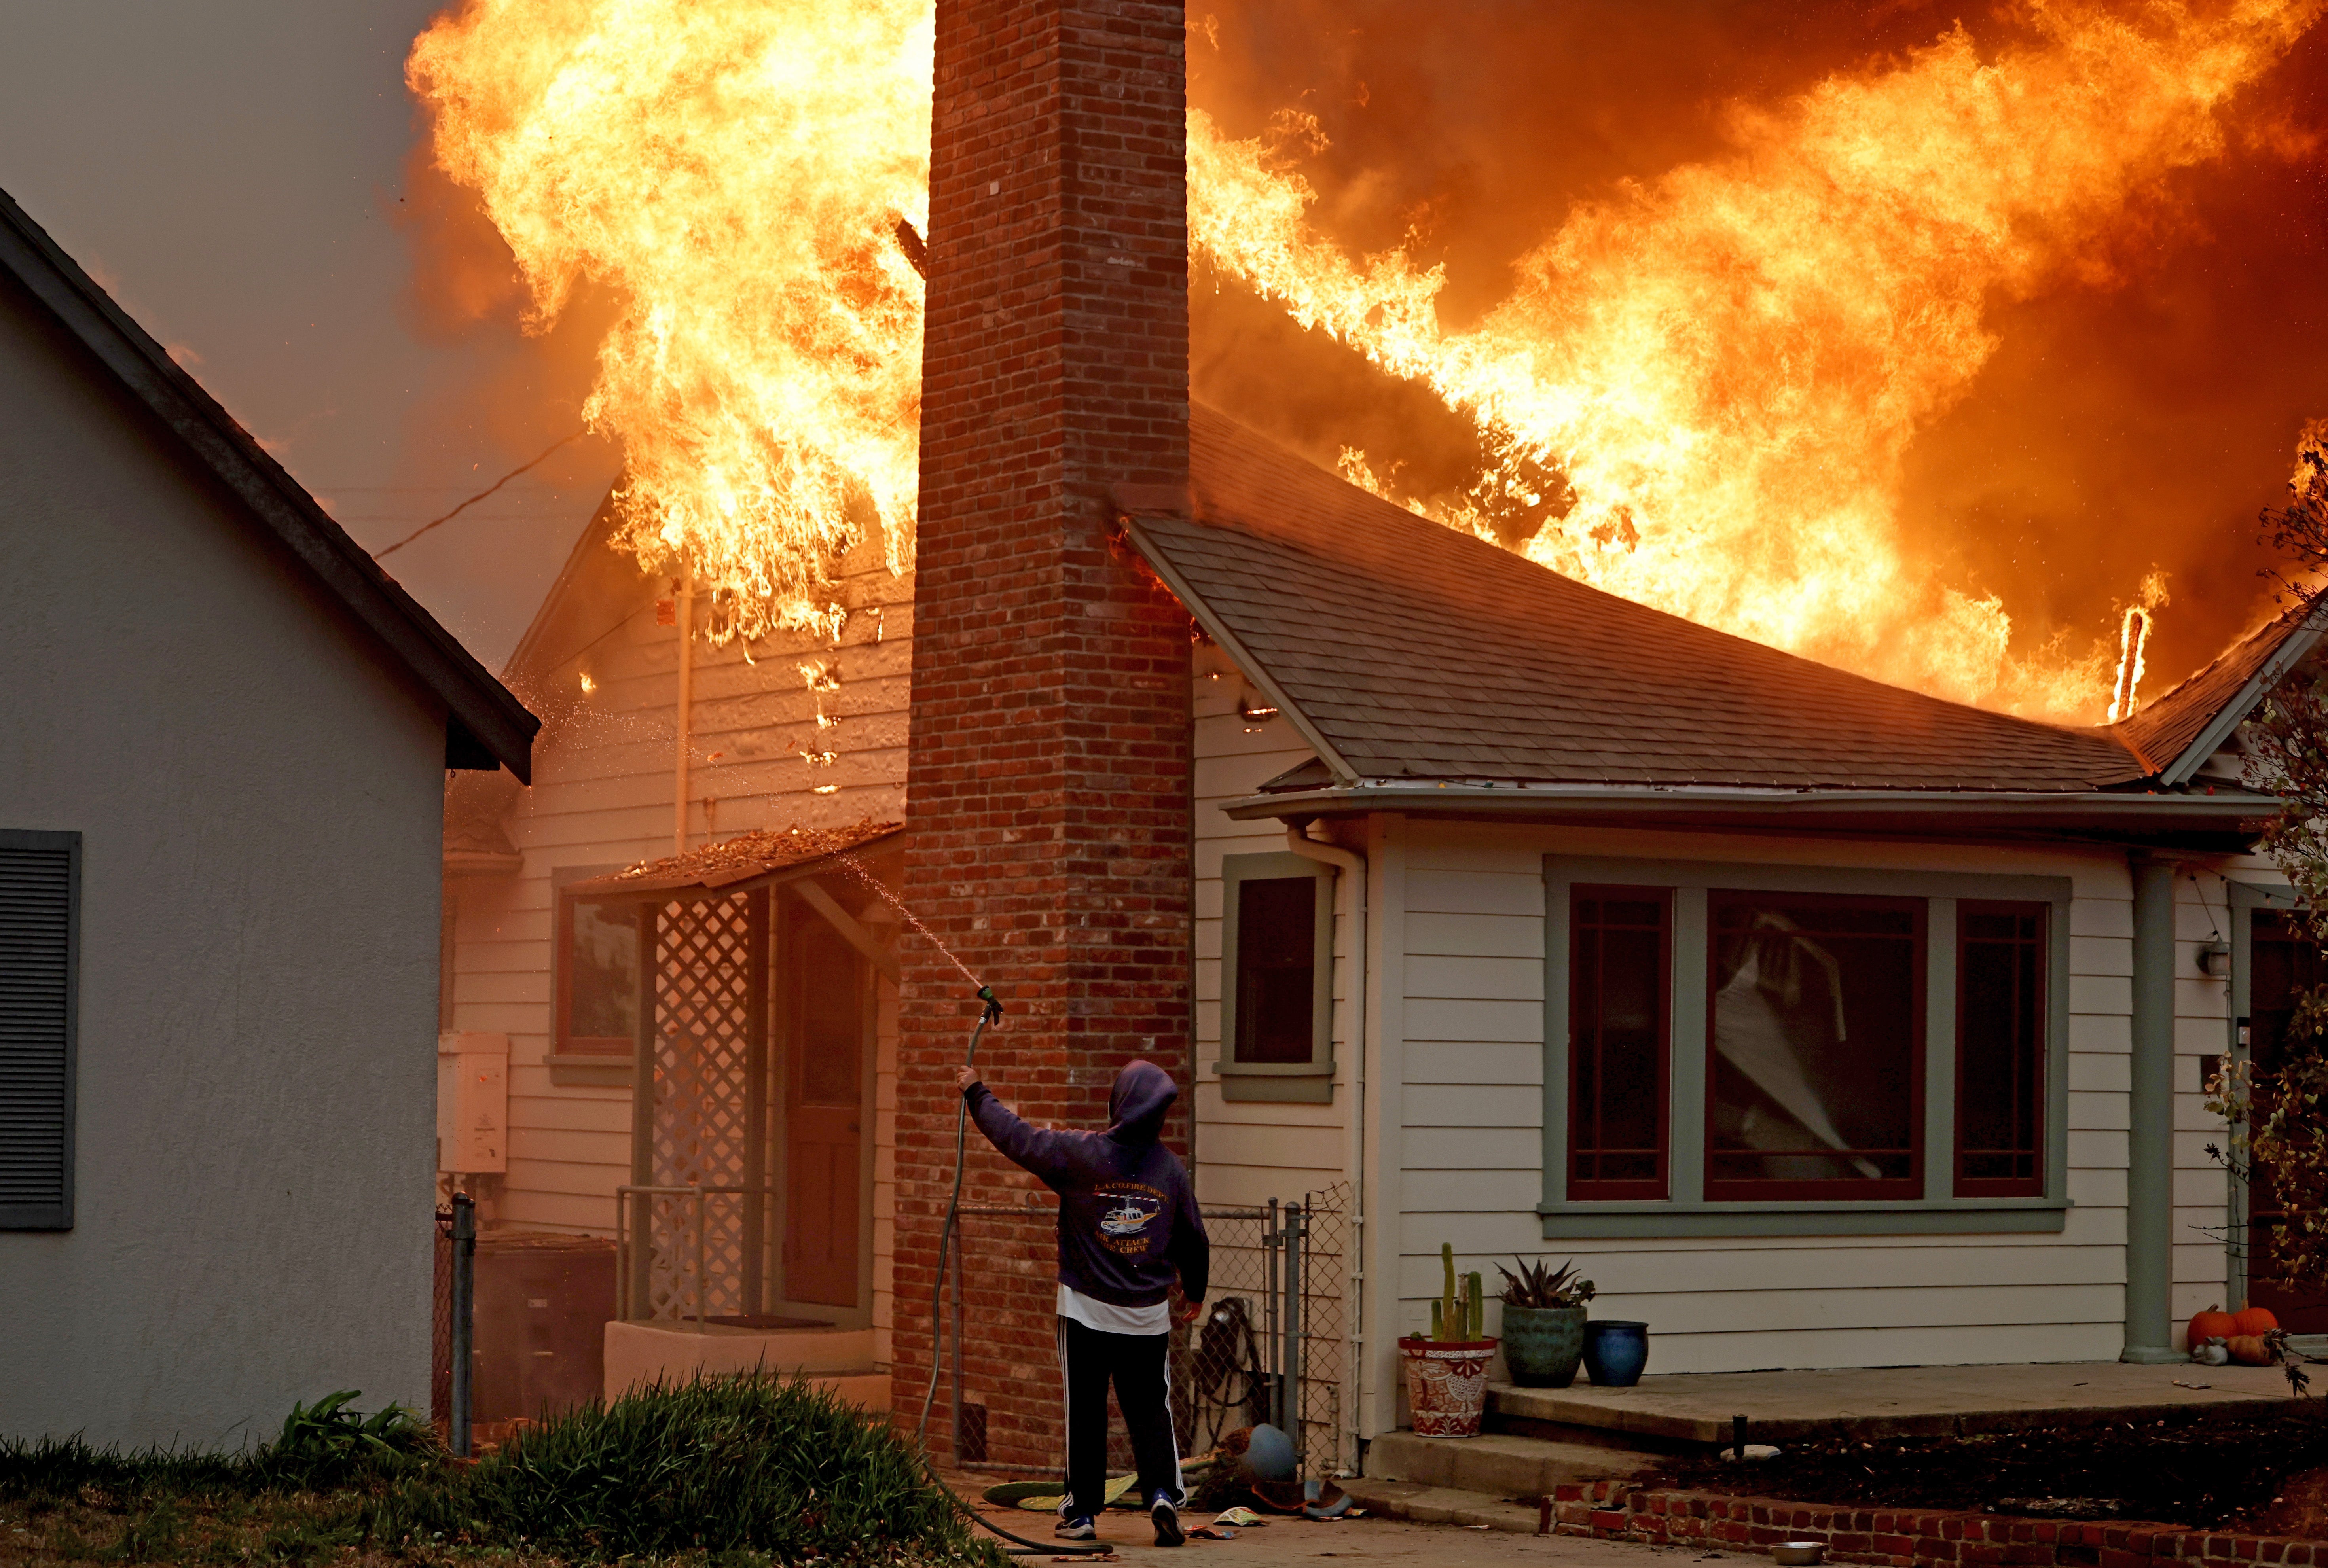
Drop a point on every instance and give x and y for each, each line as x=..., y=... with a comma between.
x=1110, y=1318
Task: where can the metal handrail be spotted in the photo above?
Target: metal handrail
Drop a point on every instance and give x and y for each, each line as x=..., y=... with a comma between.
x=624, y=1242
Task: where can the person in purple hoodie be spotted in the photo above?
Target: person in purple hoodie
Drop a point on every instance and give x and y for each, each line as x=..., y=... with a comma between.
x=1128, y=1227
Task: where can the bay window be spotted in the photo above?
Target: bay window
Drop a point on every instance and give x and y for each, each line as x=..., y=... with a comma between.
x=1738, y=1049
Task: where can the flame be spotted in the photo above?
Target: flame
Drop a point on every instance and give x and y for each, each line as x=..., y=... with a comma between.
x=1727, y=366
x=2133, y=638
x=1699, y=395
x=735, y=174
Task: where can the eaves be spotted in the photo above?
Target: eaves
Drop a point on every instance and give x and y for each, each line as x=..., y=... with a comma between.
x=2223, y=821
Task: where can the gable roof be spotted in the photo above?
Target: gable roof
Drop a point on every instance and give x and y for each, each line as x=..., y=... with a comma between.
x=2180, y=730
x=486, y=725
x=1408, y=653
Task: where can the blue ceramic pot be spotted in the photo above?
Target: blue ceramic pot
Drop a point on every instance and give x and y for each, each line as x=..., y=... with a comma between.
x=1614, y=1351
x=1542, y=1345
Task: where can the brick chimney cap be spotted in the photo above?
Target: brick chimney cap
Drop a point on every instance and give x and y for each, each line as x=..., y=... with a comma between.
x=1152, y=500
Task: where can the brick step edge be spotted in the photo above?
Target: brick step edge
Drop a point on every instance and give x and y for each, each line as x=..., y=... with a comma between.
x=1904, y=1537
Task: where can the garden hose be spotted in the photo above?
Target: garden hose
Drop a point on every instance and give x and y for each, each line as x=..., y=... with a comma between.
x=989, y=1013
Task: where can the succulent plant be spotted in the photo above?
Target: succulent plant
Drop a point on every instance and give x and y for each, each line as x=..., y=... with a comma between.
x=1538, y=1284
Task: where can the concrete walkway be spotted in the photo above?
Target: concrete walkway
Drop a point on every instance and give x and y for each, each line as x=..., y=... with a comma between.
x=1892, y=1401
x=1285, y=1542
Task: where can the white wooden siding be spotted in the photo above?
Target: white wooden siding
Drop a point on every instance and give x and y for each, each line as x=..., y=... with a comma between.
x=1470, y=1135
x=1250, y=1152
x=603, y=797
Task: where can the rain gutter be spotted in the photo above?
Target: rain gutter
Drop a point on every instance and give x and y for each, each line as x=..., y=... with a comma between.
x=1352, y=868
x=1715, y=805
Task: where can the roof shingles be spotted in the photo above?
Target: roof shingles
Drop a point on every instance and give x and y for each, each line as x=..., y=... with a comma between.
x=1417, y=652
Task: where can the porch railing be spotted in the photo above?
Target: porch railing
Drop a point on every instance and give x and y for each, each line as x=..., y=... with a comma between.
x=637, y=1248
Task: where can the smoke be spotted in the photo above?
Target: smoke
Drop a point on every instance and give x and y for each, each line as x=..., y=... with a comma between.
x=2133, y=411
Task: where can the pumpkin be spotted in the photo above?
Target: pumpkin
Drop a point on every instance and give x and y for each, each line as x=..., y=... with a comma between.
x=2249, y=1350
x=2214, y=1323
x=2255, y=1320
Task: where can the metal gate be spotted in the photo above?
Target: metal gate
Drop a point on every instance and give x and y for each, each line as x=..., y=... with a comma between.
x=1276, y=1301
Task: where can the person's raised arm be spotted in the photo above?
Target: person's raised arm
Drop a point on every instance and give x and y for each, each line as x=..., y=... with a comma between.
x=1036, y=1149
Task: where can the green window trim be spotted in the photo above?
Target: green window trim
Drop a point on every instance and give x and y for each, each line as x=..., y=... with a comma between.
x=1686, y=1212
x=1310, y=1082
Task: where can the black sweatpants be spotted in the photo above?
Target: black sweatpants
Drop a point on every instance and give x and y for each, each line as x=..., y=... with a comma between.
x=1089, y=1360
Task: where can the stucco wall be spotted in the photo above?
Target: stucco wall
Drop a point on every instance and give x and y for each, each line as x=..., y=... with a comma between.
x=259, y=795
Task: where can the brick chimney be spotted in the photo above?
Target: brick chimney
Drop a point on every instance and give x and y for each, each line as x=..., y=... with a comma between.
x=1048, y=780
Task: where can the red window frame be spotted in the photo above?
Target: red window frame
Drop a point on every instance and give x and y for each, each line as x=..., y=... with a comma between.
x=1911, y=1186
x=1587, y=1188
x=2031, y=1146
x=568, y=1043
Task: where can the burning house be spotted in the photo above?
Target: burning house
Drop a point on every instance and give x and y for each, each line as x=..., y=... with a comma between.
x=1826, y=1022
x=219, y=881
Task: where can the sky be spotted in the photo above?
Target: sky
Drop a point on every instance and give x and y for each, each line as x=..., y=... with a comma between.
x=238, y=174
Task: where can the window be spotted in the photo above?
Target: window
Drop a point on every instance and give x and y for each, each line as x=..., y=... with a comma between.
x=1814, y=1076
x=40, y=938
x=1277, y=969
x=2000, y=1049
x=598, y=976
x=1277, y=1006
x=1736, y=1049
x=1618, y=1041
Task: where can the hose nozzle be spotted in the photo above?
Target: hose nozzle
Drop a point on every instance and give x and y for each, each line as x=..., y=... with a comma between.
x=993, y=1006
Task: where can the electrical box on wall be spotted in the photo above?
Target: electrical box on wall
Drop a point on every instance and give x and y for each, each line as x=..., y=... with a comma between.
x=473, y=1103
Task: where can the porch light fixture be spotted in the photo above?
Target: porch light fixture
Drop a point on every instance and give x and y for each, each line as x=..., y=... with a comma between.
x=2215, y=958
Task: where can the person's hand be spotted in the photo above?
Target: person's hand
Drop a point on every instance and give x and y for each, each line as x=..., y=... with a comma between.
x=1190, y=1312
x=964, y=1076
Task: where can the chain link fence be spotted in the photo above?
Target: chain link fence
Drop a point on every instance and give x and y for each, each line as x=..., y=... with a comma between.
x=1276, y=1300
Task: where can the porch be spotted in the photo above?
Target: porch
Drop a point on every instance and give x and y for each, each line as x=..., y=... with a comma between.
x=755, y=980
x=1539, y=1439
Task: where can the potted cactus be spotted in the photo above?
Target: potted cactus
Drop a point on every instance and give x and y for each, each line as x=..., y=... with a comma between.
x=1543, y=1323
x=1447, y=1372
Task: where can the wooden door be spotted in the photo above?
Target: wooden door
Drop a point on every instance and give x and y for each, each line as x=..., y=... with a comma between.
x=824, y=1111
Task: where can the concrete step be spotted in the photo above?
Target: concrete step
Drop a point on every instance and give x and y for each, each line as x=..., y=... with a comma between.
x=641, y=1353
x=1442, y=1506
x=868, y=1390
x=1498, y=1464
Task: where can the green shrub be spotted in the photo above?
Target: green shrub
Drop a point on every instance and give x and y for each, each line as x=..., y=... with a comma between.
x=321, y=1447
x=750, y=1463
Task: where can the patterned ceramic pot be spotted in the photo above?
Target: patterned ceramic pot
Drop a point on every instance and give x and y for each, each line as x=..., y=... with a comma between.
x=1614, y=1351
x=1542, y=1345
x=1447, y=1384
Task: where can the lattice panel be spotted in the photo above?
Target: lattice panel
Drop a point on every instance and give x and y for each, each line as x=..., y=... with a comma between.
x=708, y=1105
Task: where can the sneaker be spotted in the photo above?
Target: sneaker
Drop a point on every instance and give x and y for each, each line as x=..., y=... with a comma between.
x=1079, y=1529
x=1167, y=1523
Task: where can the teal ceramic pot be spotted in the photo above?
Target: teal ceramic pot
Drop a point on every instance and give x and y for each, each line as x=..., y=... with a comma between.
x=1614, y=1351
x=1542, y=1345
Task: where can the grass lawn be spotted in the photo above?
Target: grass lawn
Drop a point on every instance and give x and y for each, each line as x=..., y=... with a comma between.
x=726, y=1472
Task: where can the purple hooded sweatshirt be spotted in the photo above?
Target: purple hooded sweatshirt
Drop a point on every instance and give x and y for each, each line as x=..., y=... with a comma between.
x=1128, y=1220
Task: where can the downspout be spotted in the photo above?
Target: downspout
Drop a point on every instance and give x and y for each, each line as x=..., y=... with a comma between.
x=2150, y=1141
x=685, y=720
x=1352, y=868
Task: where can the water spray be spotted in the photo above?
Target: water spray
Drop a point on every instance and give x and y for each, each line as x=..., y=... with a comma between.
x=989, y=1012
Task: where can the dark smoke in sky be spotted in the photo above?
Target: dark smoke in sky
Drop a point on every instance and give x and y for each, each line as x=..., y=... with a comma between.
x=2138, y=417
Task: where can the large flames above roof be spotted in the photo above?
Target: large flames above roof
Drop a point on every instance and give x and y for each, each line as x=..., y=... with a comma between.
x=1720, y=369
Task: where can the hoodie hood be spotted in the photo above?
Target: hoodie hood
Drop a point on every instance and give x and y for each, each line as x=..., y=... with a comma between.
x=1143, y=1092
